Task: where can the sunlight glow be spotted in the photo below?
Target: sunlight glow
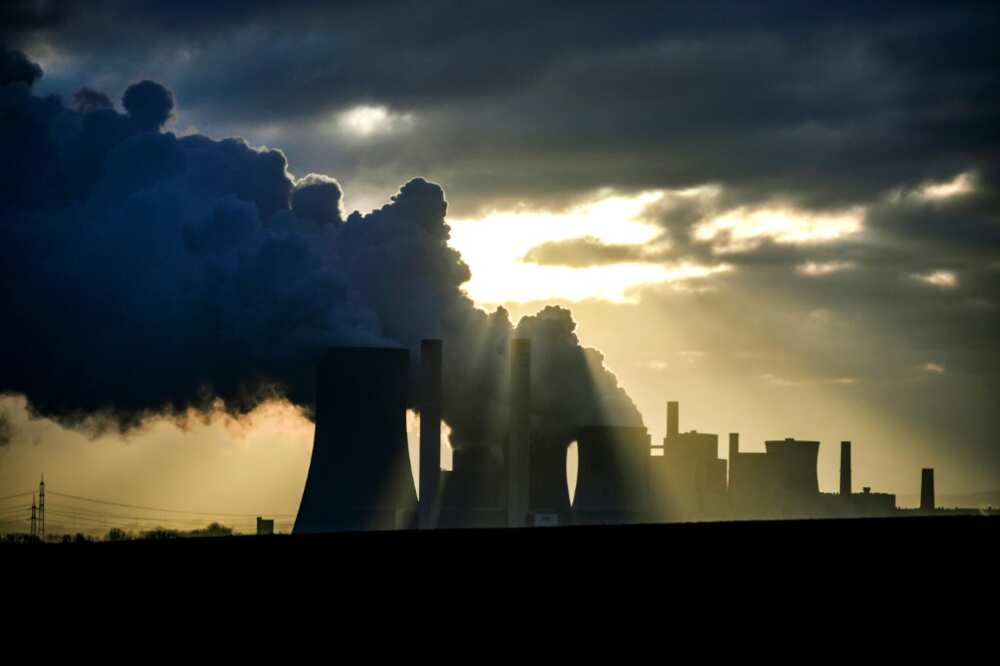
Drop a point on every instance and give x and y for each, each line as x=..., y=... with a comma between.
x=818, y=269
x=572, y=469
x=941, y=279
x=743, y=229
x=961, y=184
x=494, y=247
x=413, y=446
x=366, y=121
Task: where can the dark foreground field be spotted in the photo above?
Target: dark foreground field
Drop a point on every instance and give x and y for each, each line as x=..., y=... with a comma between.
x=948, y=537
x=898, y=563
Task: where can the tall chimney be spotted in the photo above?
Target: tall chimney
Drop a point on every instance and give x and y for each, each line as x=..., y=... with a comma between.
x=845, y=468
x=673, y=420
x=734, y=452
x=927, y=489
x=519, y=440
x=430, y=433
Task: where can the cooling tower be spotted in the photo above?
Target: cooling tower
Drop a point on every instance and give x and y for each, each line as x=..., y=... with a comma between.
x=430, y=433
x=359, y=475
x=793, y=462
x=612, y=481
x=519, y=438
x=474, y=493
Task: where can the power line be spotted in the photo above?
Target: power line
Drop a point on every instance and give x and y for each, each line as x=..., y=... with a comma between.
x=118, y=516
x=13, y=521
x=17, y=495
x=150, y=508
x=16, y=509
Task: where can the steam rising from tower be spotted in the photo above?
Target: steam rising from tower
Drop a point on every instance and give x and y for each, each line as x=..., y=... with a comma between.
x=240, y=276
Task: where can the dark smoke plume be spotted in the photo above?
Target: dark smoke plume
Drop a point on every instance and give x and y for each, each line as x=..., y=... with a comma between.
x=16, y=68
x=149, y=274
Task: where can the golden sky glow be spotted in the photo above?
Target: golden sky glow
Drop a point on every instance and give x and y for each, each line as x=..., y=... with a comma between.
x=941, y=279
x=495, y=244
x=961, y=184
x=817, y=269
x=744, y=229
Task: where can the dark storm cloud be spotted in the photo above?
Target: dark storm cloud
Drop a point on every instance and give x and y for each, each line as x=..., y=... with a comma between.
x=826, y=104
x=146, y=273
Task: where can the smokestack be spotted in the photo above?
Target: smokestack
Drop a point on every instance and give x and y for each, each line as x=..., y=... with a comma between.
x=927, y=489
x=673, y=420
x=359, y=475
x=519, y=440
x=845, y=468
x=734, y=452
x=430, y=433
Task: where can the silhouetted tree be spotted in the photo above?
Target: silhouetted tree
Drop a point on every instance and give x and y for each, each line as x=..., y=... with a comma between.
x=213, y=530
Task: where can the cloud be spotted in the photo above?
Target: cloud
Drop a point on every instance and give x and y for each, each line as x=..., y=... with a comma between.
x=827, y=107
x=317, y=197
x=743, y=229
x=588, y=251
x=941, y=279
x=149, y=105
x=962, y=184
x=820, y=268
x=150, y=274
x=363, y=122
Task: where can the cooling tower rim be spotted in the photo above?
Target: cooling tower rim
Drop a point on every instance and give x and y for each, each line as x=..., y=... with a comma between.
x=791, y=443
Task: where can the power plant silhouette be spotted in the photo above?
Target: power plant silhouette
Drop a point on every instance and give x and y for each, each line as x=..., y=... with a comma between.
x=359, y=475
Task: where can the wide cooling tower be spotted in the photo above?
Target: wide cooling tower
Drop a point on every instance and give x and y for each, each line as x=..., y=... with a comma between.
x=474, y=493
x=612, y=481
x=359, y=476
x=794, y=465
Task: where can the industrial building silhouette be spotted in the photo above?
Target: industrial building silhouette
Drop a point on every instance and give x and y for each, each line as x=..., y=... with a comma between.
x=359, y=475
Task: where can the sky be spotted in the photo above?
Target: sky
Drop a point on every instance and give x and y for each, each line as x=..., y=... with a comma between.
x=782, y=215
